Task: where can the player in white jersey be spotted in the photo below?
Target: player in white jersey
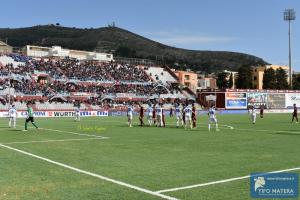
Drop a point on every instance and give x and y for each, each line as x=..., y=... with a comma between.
x=12, y=114
x=77, y=114
x=178, y=114
x=150, y=115
x=130, y=115
x=212, y=117
x=159, y=115
x=253, y=114
x=188, y=116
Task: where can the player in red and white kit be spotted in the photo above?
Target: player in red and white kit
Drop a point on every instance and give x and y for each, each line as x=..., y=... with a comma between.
x=261, y=111
x=194, y=119
x=163, y=116
x=141, y=117
x=154, y=114
x=295, y=114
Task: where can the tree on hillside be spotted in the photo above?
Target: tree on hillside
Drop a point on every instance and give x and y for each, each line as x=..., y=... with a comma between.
x=296, y=81
x=230, y=82
x=124, y=51
x=269, y=79
x=281, y=79
x=244, y=80
x=222, y=81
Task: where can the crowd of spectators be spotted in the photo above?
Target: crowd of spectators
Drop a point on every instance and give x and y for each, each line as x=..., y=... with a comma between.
x=65, y=76
x=31, y=87
x=79, y=70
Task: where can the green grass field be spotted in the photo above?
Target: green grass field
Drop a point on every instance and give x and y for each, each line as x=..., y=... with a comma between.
x=69, y=160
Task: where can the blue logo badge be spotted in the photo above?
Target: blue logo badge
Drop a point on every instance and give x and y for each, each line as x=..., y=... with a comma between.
x=274, y=185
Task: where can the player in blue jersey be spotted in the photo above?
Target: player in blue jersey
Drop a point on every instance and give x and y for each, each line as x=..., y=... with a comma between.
x=178, y=113
x=150, y=114
x=12, y=114
x=212, y=117
x=188, y=116
x=130, y=114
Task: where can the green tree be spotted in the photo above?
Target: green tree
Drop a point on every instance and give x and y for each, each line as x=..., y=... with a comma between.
x=269, y=79
x=296, y=81
x=244, y=80
x=230, y=82
x=222, y=81
x=124, y=51
x=281, y=79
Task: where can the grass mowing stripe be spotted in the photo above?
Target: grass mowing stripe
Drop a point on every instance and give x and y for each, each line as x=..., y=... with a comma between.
x=92, y=174
x=46, y=141
x=222, y=181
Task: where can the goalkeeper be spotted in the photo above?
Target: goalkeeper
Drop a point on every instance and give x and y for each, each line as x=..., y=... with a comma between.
x=29, y=116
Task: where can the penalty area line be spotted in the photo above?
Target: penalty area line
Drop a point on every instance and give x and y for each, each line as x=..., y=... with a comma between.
x=222, y=181
x=91, y=174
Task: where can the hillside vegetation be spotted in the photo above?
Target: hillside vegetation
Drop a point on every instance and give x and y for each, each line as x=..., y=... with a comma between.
x=124, y=43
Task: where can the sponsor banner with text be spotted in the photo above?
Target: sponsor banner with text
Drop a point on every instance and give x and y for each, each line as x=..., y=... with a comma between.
x=57, y=113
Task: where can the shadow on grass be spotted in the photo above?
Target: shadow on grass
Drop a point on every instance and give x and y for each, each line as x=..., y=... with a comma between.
x=15, y=130
x=296, y=133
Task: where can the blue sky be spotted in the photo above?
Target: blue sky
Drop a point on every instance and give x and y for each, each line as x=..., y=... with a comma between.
x=249, y=26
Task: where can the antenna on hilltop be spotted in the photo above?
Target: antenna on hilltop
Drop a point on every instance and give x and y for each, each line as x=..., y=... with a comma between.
x=112, y=25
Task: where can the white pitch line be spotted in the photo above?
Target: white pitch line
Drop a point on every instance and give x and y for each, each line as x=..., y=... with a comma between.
x=74, y=133
x=46, y=141
x=91, y=174
x=222, y=181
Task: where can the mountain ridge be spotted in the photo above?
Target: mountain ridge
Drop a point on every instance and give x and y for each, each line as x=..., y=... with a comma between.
x=127, y=44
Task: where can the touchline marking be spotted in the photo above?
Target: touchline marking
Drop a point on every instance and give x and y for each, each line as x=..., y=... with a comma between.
x=46, y=141
x=221, y=181
x=92, y=174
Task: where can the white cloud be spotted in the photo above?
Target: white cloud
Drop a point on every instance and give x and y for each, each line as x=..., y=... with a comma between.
x=187, y=38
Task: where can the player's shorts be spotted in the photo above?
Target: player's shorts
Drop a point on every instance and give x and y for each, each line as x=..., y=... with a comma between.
x=30, y=119
x=212, y=119
x=188, y=118
x=179, y=117
x=295, y=114
x=130, y=117
x=150, y=116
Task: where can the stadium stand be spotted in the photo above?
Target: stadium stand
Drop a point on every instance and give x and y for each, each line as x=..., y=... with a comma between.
x=160, y=75
x=51, y=80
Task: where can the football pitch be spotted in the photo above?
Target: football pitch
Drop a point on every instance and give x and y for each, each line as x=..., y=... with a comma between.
x=104, y=159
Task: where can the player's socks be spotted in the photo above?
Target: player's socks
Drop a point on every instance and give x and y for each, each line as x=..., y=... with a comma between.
x=208, y=127
x=217, y=127
x=34, y=125
x=26, y=126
